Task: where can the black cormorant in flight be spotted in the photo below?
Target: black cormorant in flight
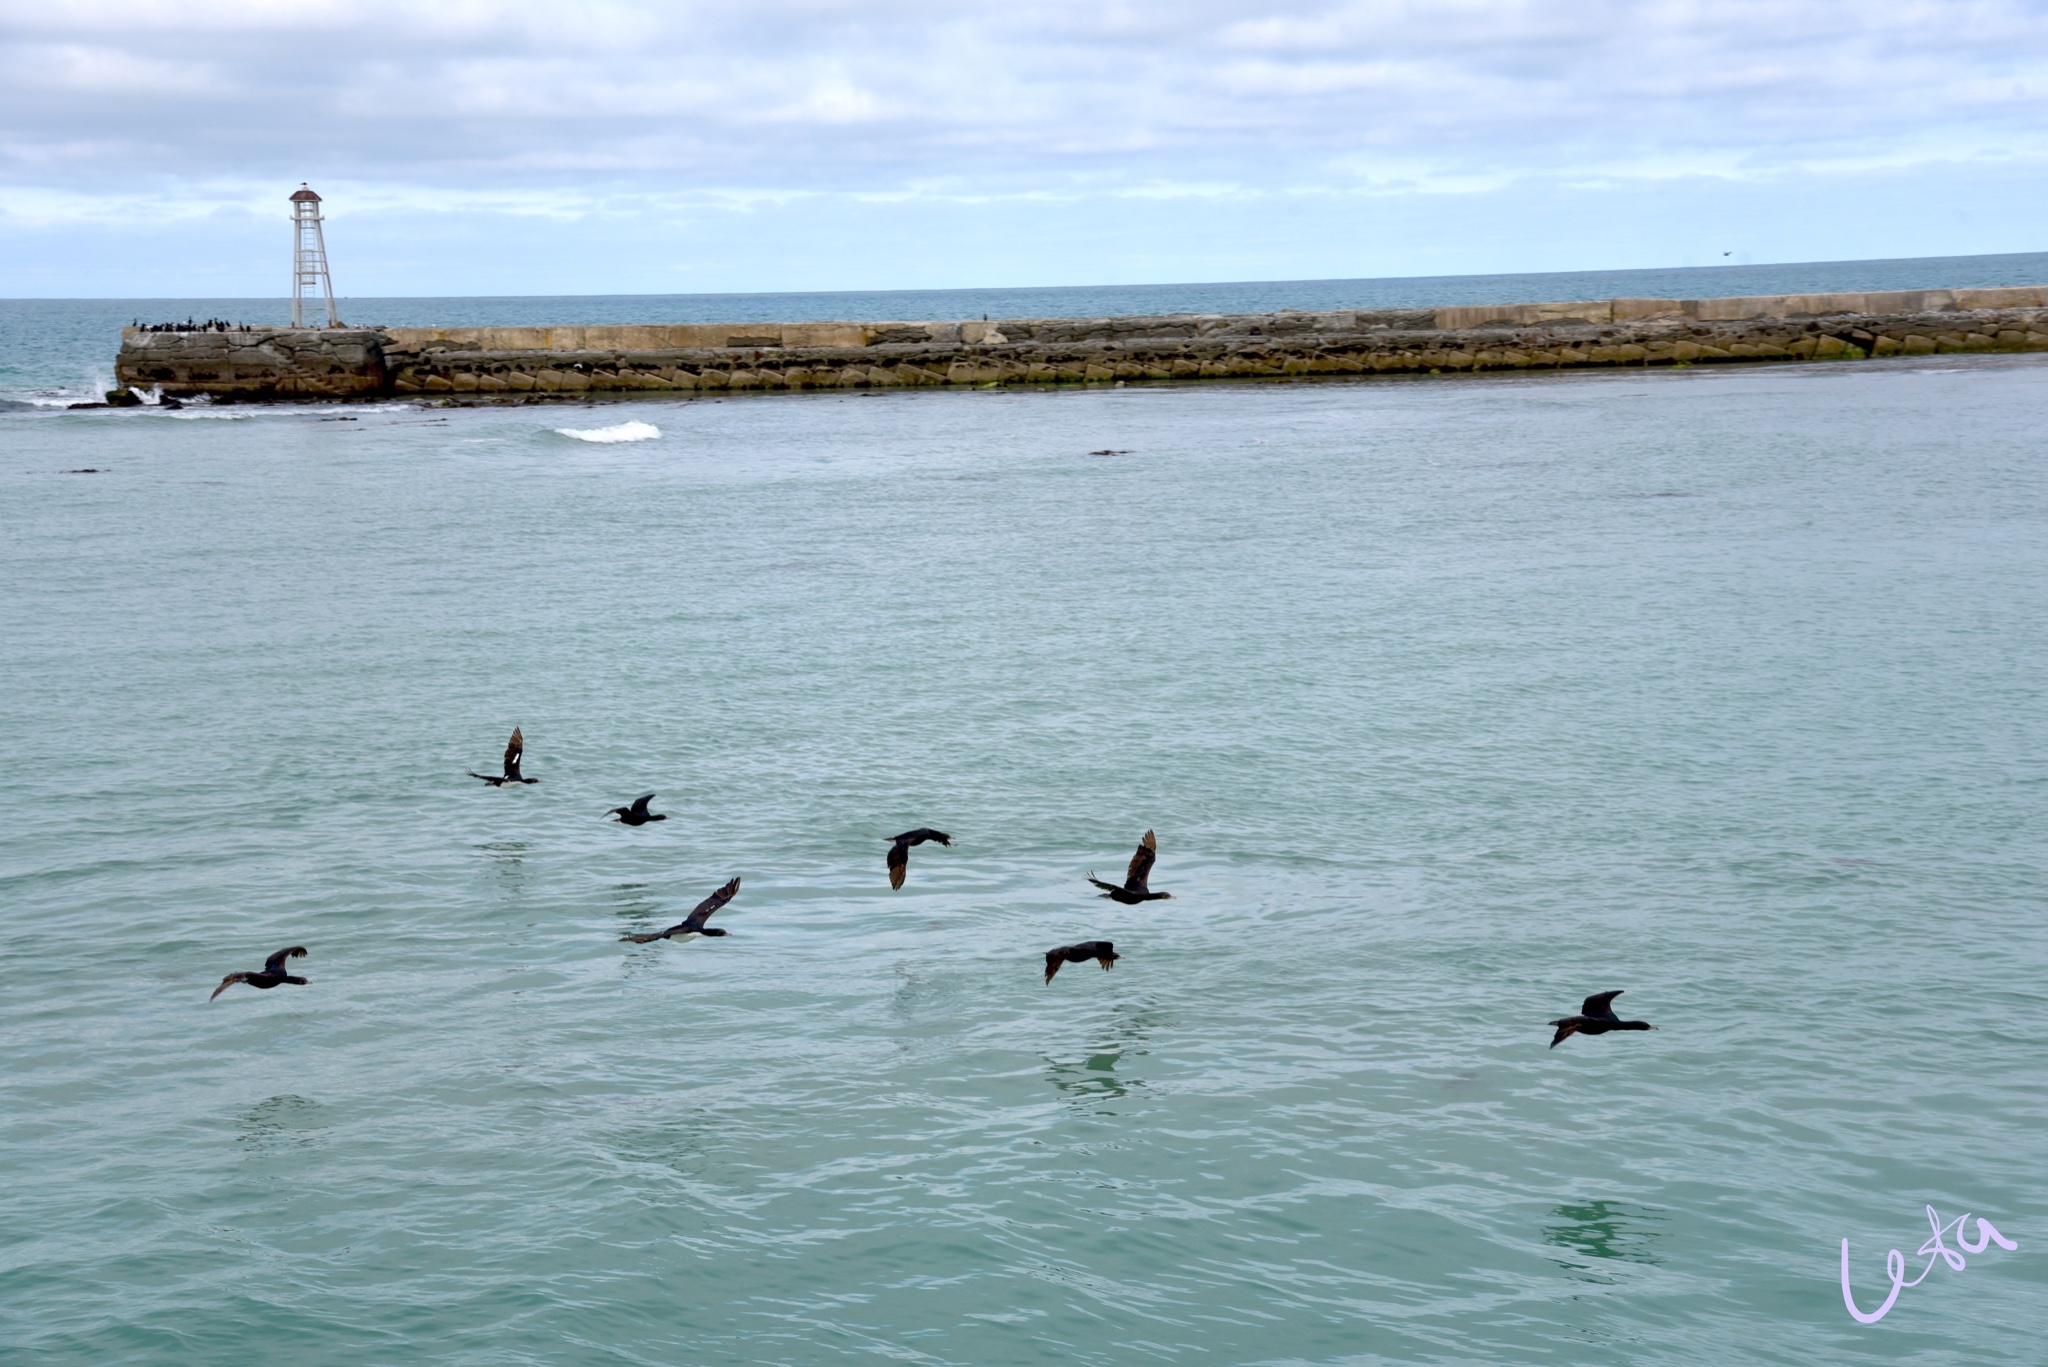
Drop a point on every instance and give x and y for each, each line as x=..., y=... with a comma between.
x=273, y=973
x=691, y=926
x=1134, y=889
x=1596, y=1017
x=513, y=748
x=899, y=850
x=1102, y=951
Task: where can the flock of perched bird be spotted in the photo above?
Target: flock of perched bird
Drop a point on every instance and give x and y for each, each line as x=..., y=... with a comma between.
x=1596, y=1016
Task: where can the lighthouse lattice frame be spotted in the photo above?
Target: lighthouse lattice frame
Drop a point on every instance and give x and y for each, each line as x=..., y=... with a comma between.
x=309, y=264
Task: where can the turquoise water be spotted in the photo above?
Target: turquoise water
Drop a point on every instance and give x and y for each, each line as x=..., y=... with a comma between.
x=62, y=350
x=1452, y=701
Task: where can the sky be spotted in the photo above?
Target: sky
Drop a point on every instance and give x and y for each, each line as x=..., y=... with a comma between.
x=539, y=147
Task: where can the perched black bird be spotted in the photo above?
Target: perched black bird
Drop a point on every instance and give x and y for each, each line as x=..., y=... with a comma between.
x=899, y=850
x=1102, y=951
x=637, y=814
x=693, y=925
x=1134, y=889
x=513, y=748
x=1596, y=1017
x=273, y=973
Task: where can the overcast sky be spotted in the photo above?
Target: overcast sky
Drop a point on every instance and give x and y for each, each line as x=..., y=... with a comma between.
x=533, y=147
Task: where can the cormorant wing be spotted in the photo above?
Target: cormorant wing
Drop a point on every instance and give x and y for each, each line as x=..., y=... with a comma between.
x=640, y=804
x=899, y=861
x=696, y=919
x=513, y=749
x=275, y=963
x=1566, y=1028
x=1600, y=1006
x=922, y=834
x=1141, y=864
x=229, y=981
x=1053, y=959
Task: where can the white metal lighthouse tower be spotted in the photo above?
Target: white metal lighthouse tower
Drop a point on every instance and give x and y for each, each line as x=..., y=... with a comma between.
x=309, y=264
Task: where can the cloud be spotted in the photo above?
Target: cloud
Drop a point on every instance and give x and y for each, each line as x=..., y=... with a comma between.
x=818, y=95
x=540, y=107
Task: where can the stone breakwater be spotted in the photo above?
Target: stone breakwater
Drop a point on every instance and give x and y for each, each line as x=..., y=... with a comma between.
x=563, y=362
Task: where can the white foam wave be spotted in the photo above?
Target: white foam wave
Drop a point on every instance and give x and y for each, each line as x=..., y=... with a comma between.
x=625, y=431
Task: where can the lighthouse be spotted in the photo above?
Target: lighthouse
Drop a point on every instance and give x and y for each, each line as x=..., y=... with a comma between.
x=312, y=289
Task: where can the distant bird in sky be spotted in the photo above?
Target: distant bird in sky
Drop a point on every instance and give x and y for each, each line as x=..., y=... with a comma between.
x=693, y=925
x=899, y=850
x=273, y=973
x=1134, y=889
x=513, y=749
x=1102, y=951
x=1596, y=1017
x=637, y=814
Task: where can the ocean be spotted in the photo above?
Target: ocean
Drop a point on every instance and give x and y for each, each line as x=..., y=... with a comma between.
x=1452, y=701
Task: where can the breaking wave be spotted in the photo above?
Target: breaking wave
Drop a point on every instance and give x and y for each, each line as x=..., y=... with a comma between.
x=625, y=431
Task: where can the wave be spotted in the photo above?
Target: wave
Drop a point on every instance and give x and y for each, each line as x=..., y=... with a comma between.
x=625, y=431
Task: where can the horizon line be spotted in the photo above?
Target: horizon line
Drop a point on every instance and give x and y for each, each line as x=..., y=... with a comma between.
x=1128, y=285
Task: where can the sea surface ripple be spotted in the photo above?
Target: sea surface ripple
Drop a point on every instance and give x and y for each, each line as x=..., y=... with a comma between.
x=1451, y=700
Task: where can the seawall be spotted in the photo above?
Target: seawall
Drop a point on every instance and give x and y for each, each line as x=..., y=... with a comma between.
x=564, y=362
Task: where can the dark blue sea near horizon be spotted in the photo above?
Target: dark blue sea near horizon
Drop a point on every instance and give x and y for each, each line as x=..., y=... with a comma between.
x=1452, y=700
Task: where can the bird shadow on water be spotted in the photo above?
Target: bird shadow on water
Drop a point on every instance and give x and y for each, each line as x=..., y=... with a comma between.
x=1603, y=1229
x=920, y=993
x=634, y=901
x=508, y=862
x=279, y=1125
x=1093, y=1081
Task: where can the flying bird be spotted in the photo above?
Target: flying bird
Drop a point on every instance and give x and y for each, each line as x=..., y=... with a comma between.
x=637, y=814
x=692, y=925
x=1134, y=889
x=899, y=850
x=273, y=973
x=513, y=748
x=1596, y=1017
x=1102, y=951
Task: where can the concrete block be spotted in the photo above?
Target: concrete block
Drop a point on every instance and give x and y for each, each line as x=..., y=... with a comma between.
x=2011, y=297
x=1634, y=310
